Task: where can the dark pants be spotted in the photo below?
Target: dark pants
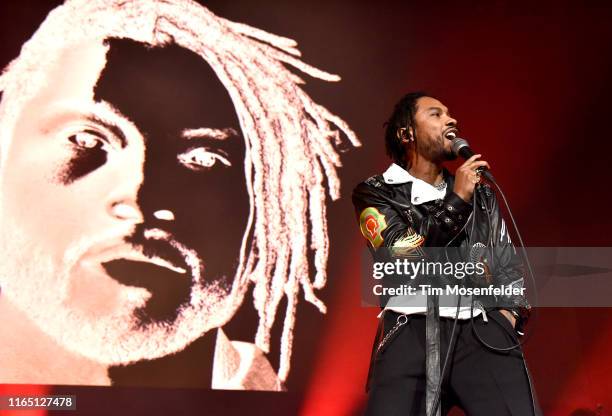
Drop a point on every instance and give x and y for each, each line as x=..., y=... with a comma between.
x=480, y=381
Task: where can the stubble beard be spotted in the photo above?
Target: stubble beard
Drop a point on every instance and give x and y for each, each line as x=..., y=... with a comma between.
x=448, y=155
x=38, y=285
x=436, y=151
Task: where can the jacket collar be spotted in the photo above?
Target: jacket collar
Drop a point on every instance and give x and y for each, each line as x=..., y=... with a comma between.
x=396, y=175
x=421, y=191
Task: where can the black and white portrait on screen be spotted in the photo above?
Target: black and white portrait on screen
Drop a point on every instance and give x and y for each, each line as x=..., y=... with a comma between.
x=158, y=162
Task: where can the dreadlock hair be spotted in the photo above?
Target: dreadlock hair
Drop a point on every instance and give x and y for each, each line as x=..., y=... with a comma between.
x=402, y=117
x=291, y=142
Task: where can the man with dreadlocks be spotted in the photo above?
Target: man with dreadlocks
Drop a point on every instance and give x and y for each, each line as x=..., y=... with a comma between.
x=417, y=208
x=157, y=161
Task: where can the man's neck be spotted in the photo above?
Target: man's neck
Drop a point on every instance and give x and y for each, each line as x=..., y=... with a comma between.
x=191, y=367
x=426, y=170
x=28, y=355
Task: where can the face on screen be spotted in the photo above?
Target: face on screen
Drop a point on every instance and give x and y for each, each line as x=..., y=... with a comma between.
x=124, y=202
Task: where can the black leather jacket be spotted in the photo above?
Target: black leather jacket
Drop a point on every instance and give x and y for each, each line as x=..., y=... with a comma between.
x=450, y=222
x=388, y=219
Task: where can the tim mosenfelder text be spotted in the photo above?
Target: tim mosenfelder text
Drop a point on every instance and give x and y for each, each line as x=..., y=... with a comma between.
x=406, y=268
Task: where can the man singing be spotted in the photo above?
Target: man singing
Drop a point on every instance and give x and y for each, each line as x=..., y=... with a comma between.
x=417, y=205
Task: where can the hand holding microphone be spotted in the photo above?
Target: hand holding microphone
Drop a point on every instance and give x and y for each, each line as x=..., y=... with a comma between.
x=468, y=174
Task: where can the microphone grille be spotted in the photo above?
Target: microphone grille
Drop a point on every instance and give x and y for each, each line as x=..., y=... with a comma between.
x=458, y=143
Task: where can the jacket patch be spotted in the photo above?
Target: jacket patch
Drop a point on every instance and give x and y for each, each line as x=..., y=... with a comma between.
x=372, y=223
x=409, y=245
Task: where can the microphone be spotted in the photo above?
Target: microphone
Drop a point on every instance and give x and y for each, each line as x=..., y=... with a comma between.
x=462, y=148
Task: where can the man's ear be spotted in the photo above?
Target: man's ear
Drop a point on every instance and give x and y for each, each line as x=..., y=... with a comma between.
x=401, y=133
x=405, y=134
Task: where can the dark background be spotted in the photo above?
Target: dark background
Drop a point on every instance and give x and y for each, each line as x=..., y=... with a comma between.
x=529, y=85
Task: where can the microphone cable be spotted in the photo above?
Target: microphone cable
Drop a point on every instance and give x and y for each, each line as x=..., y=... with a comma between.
x=530, y=272
x=490, y=177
